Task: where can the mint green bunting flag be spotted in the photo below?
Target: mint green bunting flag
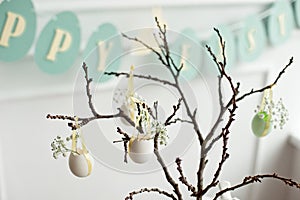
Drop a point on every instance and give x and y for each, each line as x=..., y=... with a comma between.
x=17, y=29
x=58, y=44
x=103, y=52
x=251, y=39
x=280, y=22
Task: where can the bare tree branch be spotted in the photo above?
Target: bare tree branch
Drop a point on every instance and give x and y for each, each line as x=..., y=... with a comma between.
x=156, y=190
x=182, y=178
x=165, y=169
x=125, y=140
x=225, y=131
x=175, y=109
x=147, y=46
x=148, y=77
x=167, y=61
x=88, y=91
x=174, y=121
x=258, y=178
x=268, y=86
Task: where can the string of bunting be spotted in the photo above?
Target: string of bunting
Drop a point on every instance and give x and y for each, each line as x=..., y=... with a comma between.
x=58, y=44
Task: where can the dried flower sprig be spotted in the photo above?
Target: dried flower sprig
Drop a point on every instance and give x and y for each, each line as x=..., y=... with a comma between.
x=150, y=125
x=276, y=111
x=59, y=146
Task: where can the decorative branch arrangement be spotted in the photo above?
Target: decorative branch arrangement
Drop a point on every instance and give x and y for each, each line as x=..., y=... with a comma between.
x=144, y=118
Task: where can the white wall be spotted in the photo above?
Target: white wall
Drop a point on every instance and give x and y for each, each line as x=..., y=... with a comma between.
x=27, y=169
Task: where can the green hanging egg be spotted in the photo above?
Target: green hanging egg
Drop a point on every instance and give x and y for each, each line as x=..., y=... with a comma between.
x=261, y=124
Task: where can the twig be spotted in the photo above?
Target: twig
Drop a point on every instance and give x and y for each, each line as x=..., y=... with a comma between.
x=174, y=121
x=117, y=74
x=221, y=103
x=182, y=178
x=84, y=121
x=225, y=131
x=62, y=117
x=258, y=178
x=159, y=45
x=225, y=155
x=165, y=169
x=268, y=86
x=168, y=63
x=125, y=141
x=155, y=106
x=157, y=190
x=145, y=45
x=88, y=92
x=175, y=109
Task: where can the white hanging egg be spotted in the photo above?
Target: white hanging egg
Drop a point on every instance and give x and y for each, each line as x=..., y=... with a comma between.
x=261, y=124
x=81, y=164
x=140, y=150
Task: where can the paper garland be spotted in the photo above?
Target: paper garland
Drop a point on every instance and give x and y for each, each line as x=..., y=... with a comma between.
x=17, y=29
x=58, y=43
x=102, y=51
x=251, y=39
x=280, y=22
x=185, y=51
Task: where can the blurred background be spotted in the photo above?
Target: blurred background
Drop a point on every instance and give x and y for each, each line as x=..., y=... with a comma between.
x=28, y=93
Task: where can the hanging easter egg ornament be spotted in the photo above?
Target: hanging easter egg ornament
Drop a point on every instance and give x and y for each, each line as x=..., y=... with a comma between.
x=261, y=124
x=80, y=161
x=269, y=115
x=140, y=150
x=139, y=146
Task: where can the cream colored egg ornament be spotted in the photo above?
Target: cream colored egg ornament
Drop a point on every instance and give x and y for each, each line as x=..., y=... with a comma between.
x=81, y=164
x=140, y=150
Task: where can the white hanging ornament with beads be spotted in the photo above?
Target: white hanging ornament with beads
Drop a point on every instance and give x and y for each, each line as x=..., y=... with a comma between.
x=80, y=161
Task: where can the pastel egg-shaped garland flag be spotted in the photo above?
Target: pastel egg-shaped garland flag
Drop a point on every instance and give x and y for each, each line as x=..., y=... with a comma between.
x=261, y=124
x=251, y=39
x=103, y=52
x=280, y=22
x=297, y=12
x=17, y=29
x=216, y=47
x=186, y=51
x=58, y=44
